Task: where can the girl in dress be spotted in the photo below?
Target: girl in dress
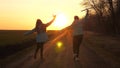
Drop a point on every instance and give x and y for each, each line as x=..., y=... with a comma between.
x=41, y=37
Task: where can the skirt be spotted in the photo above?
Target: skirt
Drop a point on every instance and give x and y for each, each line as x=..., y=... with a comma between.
x=41, y=37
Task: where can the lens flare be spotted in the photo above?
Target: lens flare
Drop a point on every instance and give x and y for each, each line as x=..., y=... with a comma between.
x=59, y=47
x=59, y=44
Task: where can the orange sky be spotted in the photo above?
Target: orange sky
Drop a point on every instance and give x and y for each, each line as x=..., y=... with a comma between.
x=22, y=14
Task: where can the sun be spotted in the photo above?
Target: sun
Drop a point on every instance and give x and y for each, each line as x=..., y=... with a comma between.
x=60, y=22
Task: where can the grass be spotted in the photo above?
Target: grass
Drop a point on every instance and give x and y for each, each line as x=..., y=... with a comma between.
x=13, y=36
x=9, y=37
x=13, y=41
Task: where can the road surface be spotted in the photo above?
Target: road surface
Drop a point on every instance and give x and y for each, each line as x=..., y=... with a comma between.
x=61, y=57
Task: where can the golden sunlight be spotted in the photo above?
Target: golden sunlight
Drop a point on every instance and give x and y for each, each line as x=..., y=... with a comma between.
x=15, y=16
x=60, y=22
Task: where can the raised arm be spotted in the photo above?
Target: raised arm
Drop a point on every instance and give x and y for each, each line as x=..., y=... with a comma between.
x=54, y=16
x=87, y=13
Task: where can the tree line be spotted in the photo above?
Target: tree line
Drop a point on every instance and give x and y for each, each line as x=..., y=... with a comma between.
x=107, y=13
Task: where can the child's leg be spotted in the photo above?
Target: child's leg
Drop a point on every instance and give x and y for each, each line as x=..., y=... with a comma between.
x=79, y=41
x=41, y=50
x=76, y=44
x=35, y=55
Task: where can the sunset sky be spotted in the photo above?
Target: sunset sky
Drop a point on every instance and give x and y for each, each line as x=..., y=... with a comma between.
x=22, y=14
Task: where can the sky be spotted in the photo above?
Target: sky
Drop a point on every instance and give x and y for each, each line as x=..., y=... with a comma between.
x=22, y=14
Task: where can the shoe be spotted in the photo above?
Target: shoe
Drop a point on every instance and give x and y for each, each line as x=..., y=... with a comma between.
x=77, y=59
x=74, y=56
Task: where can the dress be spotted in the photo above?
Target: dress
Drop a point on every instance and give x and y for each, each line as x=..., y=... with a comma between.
x=40, y=37
x=40, y=29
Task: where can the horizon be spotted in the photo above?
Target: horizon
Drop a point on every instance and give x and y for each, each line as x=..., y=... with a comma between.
x=22, y=15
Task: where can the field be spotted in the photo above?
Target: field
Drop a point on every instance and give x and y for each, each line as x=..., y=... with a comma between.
x=96, y=50
x=8, y=37
x=12, y=41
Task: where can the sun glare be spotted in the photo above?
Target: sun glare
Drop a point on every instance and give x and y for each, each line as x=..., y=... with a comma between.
x=60, y=22
x=59, y=44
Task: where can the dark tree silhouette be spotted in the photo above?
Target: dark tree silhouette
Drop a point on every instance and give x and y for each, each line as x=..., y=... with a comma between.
x=109, y=9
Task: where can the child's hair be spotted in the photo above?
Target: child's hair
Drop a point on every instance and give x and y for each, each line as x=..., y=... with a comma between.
x=38, y=22
x=39, y=26
x=76, y=17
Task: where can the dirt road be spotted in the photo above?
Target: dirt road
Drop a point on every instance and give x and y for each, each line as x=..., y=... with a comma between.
x=61, y=56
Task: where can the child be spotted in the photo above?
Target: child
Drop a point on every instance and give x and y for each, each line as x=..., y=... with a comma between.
x=41, y=37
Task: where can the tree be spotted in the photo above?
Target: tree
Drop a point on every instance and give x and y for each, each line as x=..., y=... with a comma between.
x=106, y=8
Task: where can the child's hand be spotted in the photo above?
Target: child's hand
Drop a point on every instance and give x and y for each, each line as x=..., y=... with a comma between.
x=54, y=16
x=87, y=10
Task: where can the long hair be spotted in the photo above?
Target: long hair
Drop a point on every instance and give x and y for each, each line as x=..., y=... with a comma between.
x=76, y=17
x=38, y=23
x=40, y=27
